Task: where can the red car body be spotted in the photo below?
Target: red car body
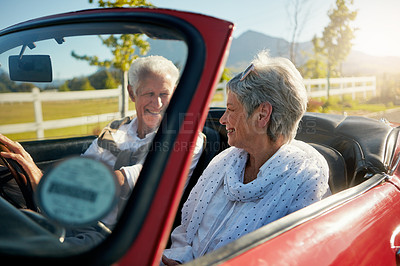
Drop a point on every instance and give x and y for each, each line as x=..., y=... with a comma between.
x=358, y=225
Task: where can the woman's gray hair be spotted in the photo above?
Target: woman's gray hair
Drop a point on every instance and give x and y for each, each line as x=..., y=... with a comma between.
x=278, y=82
x=155, y=64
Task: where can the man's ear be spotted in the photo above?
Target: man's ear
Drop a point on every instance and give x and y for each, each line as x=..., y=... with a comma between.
x=264, y=114
x=131, y=94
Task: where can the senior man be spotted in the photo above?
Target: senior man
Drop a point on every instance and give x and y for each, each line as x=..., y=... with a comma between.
x=123, y=144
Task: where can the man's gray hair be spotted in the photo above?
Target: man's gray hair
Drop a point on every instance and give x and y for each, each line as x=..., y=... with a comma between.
x=278, y=82
x=155, y=64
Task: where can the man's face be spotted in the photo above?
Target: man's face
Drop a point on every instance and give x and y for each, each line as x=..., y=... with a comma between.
x=152, y=97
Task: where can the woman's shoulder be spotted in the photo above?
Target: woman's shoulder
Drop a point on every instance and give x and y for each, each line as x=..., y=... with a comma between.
x=227, y=155
x=301, y=146
x=231, y=151
x=305, y=151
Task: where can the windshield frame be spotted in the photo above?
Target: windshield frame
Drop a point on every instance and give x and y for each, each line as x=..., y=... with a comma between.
x=135, y=212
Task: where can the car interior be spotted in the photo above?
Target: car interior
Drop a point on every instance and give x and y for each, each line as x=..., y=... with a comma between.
x=352, y=155
x=355, y=148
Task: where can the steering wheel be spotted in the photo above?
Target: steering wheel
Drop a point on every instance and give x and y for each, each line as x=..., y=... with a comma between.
x=21, y=178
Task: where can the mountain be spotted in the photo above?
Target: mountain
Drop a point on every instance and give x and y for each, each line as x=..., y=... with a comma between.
x=362, y=64
x=245, y=47
x=176, y=51
x=242, y=51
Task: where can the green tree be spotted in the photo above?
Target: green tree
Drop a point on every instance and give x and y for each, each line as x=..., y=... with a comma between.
x=316, y=66
x=64, y=87
x=337, y=36
x=103, y=80
x=6, y=85
x=123, y=47
x=80, y=84
x=24, y=87
x=336, y=42
x=226, y=75
x=3, y=88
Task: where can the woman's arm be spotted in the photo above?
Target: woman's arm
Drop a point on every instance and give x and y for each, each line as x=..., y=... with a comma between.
x=180, y=250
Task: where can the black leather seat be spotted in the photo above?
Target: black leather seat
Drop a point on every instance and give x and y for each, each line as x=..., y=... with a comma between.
x=367, y=145
x=337, y=167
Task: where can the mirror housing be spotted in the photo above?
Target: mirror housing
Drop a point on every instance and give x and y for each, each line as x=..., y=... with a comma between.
x=30, y=68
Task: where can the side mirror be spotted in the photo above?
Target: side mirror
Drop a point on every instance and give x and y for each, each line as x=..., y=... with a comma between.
x=33, y=68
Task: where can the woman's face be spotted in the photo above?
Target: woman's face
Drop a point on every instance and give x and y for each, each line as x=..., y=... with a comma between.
x=240, y=128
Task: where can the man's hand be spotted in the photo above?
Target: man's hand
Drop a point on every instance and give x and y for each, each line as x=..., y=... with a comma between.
x=20, y=155
x=123, y=183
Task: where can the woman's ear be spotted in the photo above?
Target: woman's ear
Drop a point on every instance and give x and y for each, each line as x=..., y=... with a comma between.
x=264, y=114
x=131, y=94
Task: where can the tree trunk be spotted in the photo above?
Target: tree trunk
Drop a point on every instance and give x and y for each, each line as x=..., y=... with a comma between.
x=125, y=96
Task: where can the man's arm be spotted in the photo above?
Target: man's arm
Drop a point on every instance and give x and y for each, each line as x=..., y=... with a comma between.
x=98, y=153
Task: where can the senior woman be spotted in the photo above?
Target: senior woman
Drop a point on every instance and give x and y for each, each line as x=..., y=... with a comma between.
x=265, y=175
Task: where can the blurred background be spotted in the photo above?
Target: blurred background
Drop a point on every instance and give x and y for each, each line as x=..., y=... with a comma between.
x=346, y=50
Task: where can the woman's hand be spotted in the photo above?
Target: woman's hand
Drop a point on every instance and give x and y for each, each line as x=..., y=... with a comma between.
x=20, y=155
x=169, y=262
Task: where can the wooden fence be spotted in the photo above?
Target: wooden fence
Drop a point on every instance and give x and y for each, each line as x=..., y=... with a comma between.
x=319, y=87
x=315, y=88
x=38, y=97
x=341, y=86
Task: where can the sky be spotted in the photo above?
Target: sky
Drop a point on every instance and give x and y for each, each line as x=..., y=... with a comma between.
x=377, y=21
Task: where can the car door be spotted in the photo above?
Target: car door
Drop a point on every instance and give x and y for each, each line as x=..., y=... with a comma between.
x=359, y=225
x=144, y=226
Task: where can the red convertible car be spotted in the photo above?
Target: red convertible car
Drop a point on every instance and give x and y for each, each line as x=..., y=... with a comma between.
x=358, y=225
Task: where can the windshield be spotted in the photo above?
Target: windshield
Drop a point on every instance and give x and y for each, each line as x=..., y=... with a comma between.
x=87, y=81
x=95, y=91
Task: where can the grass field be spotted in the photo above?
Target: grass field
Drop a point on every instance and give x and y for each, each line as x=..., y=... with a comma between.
x=16, y=113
